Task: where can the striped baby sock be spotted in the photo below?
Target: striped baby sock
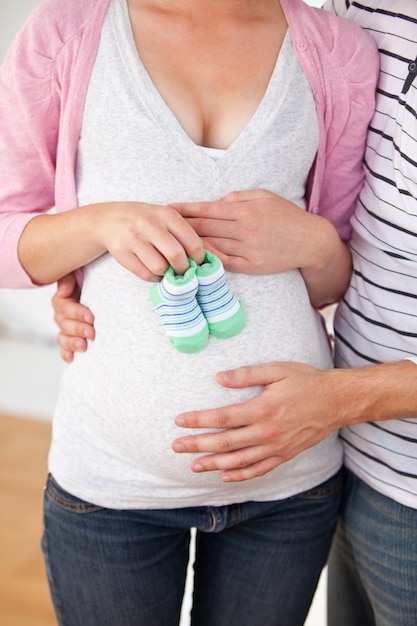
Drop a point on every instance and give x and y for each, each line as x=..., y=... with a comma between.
x=223, y=312
x=175, y=300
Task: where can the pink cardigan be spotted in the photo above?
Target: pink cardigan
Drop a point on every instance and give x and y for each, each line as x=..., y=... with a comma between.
x=43, y=84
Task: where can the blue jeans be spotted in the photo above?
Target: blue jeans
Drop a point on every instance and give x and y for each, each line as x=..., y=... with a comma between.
x=256, y=564
x=372, y=575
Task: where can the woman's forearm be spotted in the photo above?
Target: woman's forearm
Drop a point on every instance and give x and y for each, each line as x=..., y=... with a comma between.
x=328, y=263
x=143, y=238
x=53, y=245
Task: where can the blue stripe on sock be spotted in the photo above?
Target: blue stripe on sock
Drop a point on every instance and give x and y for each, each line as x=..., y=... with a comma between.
x=182, y=316
x=218, y=303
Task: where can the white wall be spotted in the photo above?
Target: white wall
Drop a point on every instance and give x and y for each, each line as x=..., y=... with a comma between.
x=12, y=15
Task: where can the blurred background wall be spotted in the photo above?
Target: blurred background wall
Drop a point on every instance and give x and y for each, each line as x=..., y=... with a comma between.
x=30, y=367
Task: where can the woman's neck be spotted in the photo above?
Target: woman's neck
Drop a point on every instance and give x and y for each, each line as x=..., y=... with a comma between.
x=203, y=10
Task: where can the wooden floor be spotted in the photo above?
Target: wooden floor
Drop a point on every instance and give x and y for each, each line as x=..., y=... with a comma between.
x=24, y=596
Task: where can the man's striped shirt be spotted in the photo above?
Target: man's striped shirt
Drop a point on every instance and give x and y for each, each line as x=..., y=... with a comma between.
x=377, y=320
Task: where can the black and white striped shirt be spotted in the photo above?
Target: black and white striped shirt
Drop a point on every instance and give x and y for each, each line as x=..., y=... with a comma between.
x=377, y=320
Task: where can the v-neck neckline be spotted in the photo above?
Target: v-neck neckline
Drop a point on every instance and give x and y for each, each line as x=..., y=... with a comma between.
x=166, y=120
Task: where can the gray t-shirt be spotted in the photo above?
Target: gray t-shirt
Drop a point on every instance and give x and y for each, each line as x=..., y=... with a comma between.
x=114, y=421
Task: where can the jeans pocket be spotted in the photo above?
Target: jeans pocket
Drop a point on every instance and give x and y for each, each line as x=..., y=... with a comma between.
x=327, y=489
x=65, y=500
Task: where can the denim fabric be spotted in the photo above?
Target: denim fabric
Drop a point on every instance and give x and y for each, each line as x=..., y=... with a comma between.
x=256, y=564
x=372, y=575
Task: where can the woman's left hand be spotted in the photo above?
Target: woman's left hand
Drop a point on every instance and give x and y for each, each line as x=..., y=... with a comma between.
x=259, y=231
x=263, y=233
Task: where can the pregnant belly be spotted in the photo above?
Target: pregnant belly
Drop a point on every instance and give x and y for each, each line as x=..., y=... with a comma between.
x=131, y=383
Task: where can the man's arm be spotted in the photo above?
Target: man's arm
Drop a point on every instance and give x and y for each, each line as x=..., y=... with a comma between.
x=298, y=407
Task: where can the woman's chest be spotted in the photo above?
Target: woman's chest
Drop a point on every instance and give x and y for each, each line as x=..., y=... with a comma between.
x=212, y=74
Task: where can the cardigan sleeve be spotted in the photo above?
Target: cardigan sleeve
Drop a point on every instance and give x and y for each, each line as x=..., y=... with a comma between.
x=349, y=74
x=29, y=119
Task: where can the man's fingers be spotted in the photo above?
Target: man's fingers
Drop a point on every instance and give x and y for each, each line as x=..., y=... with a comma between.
x=66, y=285
x=225, y=441
x=238, y=459
x=239, y=465
x=251, y=375
x=71, y=344
x=225, y=417
x=251, y=471
x=76, y=329
x=67, y=356
x=69, y=309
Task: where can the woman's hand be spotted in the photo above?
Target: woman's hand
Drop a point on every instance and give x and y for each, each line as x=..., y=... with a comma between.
x=254, y=228
x=75, y=321
x=262, y=233
x=146, y=239
x=254, y=232
x=143, y=238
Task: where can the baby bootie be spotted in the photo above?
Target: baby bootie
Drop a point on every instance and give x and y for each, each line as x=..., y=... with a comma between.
x=223, y=312
x=175, y=300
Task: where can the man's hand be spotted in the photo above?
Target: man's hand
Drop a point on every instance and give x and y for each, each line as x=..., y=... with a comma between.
x=293, y=412
x=75, y=321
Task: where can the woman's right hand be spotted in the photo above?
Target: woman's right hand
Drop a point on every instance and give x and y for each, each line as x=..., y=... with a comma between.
x=146, y=238
x=75, y=321
x=143, y=238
